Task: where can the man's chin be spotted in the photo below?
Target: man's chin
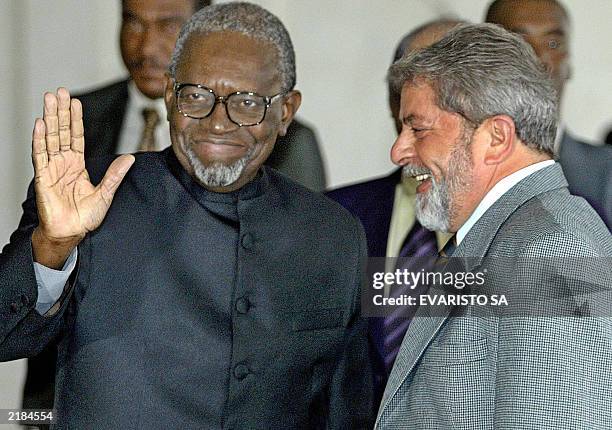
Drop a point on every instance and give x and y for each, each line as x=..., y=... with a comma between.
x=152, y=87
x=431, y=216
x=217, y=174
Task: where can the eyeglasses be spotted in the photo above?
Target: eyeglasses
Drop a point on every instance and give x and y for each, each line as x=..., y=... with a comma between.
x=243, y=108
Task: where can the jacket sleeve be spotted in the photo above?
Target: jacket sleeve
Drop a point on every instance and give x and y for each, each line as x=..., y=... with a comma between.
x=23, y=331
x=351, y=391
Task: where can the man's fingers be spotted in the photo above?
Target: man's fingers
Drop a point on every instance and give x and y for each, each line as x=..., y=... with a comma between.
x=77, y=141
x=51, y=124
x=63, y=114
x=39, y=147
x=113, y=177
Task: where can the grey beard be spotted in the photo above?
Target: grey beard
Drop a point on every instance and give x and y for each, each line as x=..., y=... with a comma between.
x=218, y=174
x=434, y=209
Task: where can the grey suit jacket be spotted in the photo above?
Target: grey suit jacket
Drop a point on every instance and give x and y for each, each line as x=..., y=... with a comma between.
x=469, y=368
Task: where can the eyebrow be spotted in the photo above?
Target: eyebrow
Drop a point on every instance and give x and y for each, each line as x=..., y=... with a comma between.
x=409, y=119
x=170, y=17
x=558, y=31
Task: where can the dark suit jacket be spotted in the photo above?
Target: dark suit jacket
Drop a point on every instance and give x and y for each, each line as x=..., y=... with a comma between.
x=588, y=170
x=186, y=311
x=608, y=139
x=296, y=154
x=372, y=203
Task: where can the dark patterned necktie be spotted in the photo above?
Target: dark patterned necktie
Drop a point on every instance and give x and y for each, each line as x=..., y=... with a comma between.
x=147, y=139
x=418, y=252
x=449, y=248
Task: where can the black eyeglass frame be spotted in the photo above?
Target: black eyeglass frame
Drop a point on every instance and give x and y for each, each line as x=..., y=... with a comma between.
x=178, y=86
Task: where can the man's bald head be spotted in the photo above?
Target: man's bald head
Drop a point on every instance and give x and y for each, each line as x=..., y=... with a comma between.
x=424, y=35
x=498, y=8
x=544, y=24
x=419, y=38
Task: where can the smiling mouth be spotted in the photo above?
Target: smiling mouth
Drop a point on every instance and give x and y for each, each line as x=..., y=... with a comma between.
x=217, y=143
x=422, y=177
x=424, y=182
x=219, y=149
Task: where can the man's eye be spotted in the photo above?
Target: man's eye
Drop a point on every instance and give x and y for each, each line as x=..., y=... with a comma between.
x=132, y=25
x=171, y=27
x=554, y=44
x=195, y=97
x=248, y=103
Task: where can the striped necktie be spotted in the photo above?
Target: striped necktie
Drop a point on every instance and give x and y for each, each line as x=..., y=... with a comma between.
x=420, y=251
x=147, y=139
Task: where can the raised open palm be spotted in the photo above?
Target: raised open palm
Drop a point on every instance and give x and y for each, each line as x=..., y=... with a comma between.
x=69, y=205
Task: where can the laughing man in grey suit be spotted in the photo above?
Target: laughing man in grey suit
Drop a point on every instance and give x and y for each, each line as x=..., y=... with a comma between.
x=478, y=126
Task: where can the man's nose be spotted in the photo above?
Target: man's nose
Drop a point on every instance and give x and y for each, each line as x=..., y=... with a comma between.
x=403, y=151
x=149, y=42
x=218, y=119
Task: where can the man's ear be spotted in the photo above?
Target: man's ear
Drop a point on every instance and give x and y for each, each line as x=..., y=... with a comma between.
x=291, y=104
x=501, y=135
x=169, y=95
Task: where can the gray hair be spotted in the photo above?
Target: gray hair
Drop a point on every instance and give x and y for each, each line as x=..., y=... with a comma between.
x=482, y=70
x=248, y=19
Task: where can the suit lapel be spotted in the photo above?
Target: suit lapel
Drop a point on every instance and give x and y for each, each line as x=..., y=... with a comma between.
x=421, y=332
x=476, y=243
x=104, y=121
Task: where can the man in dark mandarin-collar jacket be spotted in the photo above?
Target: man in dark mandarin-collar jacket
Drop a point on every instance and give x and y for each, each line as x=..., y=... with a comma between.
x=200, y=290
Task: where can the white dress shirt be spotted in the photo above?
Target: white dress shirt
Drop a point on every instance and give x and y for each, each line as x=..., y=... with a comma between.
x=51, y=282
x=133, y=122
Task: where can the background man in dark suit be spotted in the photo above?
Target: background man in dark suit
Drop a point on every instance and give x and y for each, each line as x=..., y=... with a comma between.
x=385, y=206
x=215, y=305
x=128, y=116
x=545, y=26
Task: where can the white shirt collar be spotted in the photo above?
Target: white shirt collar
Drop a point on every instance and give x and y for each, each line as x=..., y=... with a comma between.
x=501, y=188
x=133, y=122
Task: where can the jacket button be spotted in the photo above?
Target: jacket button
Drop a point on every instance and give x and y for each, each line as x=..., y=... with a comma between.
x=248, y=241
x=241, y=371
x=14, y=308
x=243, y=305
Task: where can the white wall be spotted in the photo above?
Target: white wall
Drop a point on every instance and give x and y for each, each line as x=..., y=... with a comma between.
x=343, y=49
x=11, y=374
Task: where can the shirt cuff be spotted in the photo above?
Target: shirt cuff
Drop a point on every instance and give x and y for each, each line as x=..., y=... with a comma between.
x=51, y=282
